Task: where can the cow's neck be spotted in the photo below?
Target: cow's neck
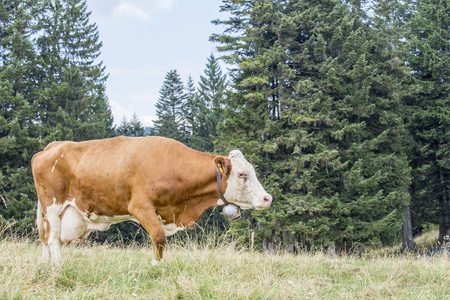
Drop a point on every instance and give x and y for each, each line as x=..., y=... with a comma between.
x=205, y=197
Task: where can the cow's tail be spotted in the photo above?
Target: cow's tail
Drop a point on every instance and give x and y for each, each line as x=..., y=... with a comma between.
x=40, y=222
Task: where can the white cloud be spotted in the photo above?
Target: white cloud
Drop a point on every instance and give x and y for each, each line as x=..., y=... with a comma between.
x=147, y=120
x=164, y=4
x=138, y=71
x=119, y=111
x=131, y=10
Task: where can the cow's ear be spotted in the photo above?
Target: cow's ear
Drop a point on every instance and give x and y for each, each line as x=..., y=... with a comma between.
x=223, y=164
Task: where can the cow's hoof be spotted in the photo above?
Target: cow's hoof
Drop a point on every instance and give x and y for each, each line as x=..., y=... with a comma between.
x=156, y=262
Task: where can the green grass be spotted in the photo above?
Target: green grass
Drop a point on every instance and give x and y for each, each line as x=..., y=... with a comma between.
x=215, y=272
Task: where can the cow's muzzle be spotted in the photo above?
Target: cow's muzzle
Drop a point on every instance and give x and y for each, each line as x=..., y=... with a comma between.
x=265, y=202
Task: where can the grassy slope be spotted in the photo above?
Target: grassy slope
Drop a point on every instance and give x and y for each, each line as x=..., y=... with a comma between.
x=106, y=272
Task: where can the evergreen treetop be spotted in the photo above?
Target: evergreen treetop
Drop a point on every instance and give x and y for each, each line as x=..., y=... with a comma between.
x=170, y=108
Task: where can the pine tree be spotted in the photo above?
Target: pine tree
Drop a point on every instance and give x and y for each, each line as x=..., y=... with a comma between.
x=192, y=109
x=19, y=137
x=390, y=18
x=172, y=119
x=205, y=106
x=318, y=111
x=124, y=128
x=73, y=105
x=137, y=129
x=212, y=84
x=430, y=110
x=50, y=89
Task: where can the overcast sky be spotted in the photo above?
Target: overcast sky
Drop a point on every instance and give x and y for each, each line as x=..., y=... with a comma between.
x=144, y=39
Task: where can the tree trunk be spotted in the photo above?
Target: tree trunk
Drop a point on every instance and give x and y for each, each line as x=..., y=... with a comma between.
x=444, y=214
x=408, y=244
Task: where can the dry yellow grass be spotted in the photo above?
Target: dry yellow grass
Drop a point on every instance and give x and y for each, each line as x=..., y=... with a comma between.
x=427, y=240
x=220, y=272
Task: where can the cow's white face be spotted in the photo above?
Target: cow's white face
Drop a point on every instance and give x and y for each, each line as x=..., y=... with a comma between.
x=243, y=188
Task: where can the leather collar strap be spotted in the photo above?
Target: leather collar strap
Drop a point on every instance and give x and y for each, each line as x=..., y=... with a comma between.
x=219, y=184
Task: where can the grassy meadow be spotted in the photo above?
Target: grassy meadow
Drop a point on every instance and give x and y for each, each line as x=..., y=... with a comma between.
x=192, y=271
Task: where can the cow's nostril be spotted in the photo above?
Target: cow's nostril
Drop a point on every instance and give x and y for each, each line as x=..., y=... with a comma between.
x=267, y=199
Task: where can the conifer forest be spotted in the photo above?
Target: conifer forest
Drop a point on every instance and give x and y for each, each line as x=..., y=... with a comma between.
x=343, y=108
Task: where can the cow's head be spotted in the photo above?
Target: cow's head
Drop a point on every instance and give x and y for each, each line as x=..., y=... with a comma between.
x=243, y=187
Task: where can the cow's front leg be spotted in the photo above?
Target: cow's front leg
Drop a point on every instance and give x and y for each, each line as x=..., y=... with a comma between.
x=145, y=213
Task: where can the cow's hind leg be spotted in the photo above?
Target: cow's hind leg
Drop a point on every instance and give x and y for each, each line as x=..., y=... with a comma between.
x=53, y=216
x=145, y=213
x=42, y=226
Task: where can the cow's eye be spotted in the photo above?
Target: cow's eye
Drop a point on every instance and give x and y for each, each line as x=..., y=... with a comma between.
x=242, y=175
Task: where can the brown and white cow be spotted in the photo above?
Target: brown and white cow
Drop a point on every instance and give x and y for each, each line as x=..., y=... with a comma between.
x=156, y=181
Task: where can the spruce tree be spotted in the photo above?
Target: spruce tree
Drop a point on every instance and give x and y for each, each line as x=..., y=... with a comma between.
x=172, y=119
x=73, y=105
x=137, y=129
x=124, y=128
x=192, y=109
x=132, y=128
x=19, y=137
x=212, y=85
x=210, y=100
x=51, y=88
x=390, y=18
x=318, y=111
x=430, y=113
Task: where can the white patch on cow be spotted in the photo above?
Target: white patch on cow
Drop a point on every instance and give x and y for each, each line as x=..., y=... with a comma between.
x=169, y=229
x=78, y=224
x=98, y=219
x=68, y=223
x=53, y=169
x=220, y=202
x=73, y=226
x=53, y=217
x=45, y=252
x=62, y=154
x=246, y=193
